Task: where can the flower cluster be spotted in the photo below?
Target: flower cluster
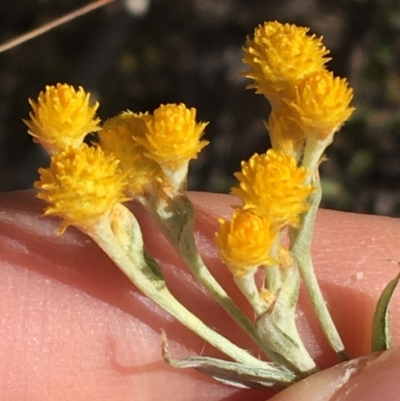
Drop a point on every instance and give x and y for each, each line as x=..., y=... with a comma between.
x=272, y=188
x=308, y=103
x=145, y=156
x=137, y=154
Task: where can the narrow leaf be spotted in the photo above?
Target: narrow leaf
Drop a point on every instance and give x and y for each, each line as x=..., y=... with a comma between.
x=233, y=373
x=381, y=333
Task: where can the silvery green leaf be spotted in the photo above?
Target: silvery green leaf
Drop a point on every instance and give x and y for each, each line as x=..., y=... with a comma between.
x=381, y=334
x=234, y=373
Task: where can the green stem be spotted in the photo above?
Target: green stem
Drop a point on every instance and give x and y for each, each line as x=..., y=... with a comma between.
x=273, y=280
x=176, y=219
x=121, y=240
x=249, y=289
x=301, y=252
x=278, y=329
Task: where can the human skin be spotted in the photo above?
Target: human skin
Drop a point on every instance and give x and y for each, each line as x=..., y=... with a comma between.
x=74, y=328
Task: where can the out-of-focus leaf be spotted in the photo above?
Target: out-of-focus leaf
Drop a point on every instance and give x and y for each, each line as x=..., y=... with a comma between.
x=381, y=334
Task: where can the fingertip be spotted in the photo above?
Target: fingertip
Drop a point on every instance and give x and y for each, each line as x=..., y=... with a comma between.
x=377, y=381
x=373, y=377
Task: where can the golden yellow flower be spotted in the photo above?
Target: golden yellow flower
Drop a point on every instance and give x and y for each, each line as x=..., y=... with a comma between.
x=81, y=186
x=285, y=133
x=321, y=104
x=280, y=55
x=117, y=138
x=245, y=241
x=173, y=136
x=273, y=184
x=62, y=117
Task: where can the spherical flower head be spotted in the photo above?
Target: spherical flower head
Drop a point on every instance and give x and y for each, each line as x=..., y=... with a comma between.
x=173, y=136
x=245, y=241
x=273, y=185
x=61, y=117
x=117, y=138
x=280, y=55
x=321, y=104
x=81, y=186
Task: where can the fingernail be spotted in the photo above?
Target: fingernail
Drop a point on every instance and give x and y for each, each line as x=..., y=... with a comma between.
x=331, y=384
x=377, y=381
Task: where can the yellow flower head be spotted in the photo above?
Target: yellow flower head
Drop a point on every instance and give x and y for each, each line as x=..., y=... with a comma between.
x=273, y=184
x=280, y=55
x=245, y=241
x=321, y=104
x=285, y=133
x=81, y=186
x=173, y=136
x=117, y=138
x=62, y=117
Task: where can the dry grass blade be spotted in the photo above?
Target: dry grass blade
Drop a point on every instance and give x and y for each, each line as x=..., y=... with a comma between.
x=53, y=24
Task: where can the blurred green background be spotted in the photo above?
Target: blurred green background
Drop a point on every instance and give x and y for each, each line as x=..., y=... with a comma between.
x=190, y=51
